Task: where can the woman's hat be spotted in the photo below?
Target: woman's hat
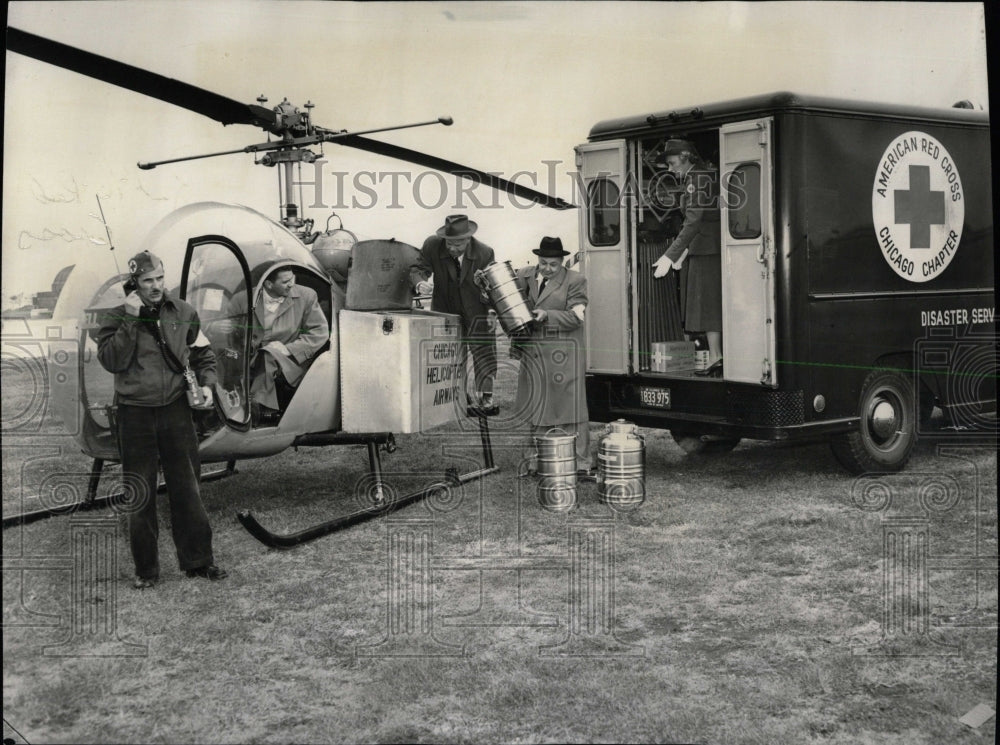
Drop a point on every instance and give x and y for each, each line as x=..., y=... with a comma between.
x=676, y=147
x=550, y=248
x=457, y=226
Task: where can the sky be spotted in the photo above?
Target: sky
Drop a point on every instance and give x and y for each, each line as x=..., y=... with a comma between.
x=523, y=81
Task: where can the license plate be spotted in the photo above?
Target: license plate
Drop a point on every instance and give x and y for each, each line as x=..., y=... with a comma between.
x=656, y=398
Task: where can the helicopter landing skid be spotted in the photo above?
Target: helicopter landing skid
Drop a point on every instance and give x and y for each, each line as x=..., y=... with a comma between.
x=94, y=502
x=380, y=505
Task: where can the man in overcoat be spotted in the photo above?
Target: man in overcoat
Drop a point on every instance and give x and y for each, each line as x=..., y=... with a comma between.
x=699, y=243
x=288, y=329
x=550, y=388
x=452, y=256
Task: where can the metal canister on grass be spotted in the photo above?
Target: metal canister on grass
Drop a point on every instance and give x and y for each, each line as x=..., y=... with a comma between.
x=621, y=471
x=556, y=470
x=499, y=282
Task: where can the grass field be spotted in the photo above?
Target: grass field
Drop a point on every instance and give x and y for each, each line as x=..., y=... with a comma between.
x=756, y=597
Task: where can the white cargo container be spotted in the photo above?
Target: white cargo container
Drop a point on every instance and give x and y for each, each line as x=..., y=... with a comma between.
x=399, y=370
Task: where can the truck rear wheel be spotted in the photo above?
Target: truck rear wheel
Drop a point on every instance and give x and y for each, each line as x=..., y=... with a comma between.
x=695, y=444
x=887, y=430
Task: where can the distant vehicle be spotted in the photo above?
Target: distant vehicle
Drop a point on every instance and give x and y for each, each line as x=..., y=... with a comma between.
x=857, y=274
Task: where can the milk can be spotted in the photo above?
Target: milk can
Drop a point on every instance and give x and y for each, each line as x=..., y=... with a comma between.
x=499, y=282
x=556, y=470
x=621, y=466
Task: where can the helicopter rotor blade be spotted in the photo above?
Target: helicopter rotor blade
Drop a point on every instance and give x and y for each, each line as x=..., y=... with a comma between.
x=456, y=169
x=229, y=111
x=221, y=109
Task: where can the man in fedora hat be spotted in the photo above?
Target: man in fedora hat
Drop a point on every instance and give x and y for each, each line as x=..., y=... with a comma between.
x=550, y=385
x=699, y=243
x=147, y=343
x=452, y=256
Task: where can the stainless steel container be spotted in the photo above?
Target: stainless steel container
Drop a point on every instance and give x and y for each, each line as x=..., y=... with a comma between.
x=500, y=283
x=621, y=469
x=556, y=470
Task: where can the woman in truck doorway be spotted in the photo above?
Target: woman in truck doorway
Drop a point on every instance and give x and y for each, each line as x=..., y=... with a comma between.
x=698, y=243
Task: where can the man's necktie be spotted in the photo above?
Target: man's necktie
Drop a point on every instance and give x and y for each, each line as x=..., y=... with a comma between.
x=541, y=285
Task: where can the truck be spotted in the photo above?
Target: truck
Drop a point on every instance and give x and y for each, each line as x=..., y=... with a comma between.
x=857, y=275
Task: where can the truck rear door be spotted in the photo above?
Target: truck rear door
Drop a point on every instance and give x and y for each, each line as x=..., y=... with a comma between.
x=603, y=236
x=748, y=297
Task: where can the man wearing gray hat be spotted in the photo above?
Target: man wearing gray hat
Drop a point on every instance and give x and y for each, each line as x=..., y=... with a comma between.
x=453, y=257
x=149, y=343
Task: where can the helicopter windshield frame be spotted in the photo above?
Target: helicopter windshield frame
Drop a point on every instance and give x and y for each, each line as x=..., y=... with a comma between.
x=212, y=281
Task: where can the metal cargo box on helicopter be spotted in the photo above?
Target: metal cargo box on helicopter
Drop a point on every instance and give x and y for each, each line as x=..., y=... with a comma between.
x=856, y=274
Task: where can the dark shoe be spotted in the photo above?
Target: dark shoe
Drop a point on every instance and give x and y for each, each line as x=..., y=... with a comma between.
x=143, y=583
x=477, y=411
x=263, y=416
x=269, y=417
x=587, y=475
x=487, y=406
x=211, y=572
x=491, y=410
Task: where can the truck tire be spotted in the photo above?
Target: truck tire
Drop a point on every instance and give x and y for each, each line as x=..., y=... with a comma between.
x=887, y=430
x=695, y=444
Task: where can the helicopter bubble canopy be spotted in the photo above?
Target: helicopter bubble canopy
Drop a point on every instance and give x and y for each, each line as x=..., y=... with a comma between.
x=97, y=282
x=260, y=239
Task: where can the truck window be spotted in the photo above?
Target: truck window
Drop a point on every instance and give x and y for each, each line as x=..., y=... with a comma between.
x=743, y=200
x=604, y=217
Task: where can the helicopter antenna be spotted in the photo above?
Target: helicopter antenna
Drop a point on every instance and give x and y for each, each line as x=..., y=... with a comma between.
x=107, y=230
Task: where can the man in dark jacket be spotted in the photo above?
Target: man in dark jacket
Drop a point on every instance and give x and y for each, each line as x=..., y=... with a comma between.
x=453, y=256
x=148, y=343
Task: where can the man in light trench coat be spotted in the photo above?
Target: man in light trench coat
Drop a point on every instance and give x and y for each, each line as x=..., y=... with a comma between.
x=288, y=329
x=550, y=386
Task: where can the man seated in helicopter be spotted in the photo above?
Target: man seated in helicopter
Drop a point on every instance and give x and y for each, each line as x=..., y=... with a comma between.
x=288, y=329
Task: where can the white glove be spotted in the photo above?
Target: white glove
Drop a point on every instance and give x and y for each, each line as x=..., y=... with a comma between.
x=661, y=266
x=206, y=391
x=424, y=288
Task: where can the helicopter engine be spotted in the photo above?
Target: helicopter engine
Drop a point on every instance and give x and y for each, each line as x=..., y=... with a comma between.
x=332, y=250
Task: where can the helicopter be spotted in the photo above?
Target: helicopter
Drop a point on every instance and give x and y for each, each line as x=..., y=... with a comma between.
x=214, y=251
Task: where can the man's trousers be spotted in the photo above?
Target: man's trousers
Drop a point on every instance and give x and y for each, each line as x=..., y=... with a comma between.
x=164, y=436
